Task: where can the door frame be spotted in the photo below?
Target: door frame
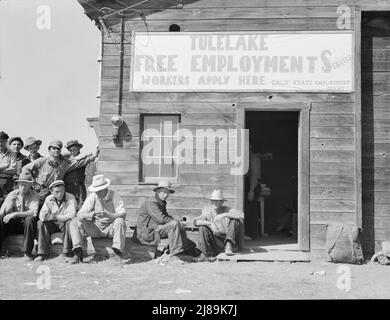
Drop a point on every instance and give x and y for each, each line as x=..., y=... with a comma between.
x=303, y=108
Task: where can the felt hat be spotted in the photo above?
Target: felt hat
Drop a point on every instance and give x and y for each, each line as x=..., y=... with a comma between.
x=164, y=184
x=23, y=177
x=56, y=144
x=16, y=138
x=30, y=141
x=217, y=195
x=99, y=182
x=73, y=143
x=3, y=135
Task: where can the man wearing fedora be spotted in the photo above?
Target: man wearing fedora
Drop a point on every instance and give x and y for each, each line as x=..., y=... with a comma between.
x=75, y=179
x=55, y=216
x=154, y=223
x=102, y=215
x=15, y=145
x=7, y=167
x=49, y=169
x=18, y=214
x=32, y=146
x=219, y=226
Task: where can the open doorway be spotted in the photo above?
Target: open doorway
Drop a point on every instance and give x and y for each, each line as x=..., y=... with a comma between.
x=273, y=214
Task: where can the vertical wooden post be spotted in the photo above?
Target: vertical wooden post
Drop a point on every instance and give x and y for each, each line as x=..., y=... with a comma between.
x=358, y=119
x=304, y=180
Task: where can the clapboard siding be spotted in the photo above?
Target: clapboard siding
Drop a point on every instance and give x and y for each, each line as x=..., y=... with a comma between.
x=332, y=116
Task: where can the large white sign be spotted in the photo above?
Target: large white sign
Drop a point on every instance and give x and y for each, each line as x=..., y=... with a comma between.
x=242, y=61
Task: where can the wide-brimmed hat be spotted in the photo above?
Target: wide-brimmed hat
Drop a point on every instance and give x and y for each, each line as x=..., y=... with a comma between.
x=56, y=144
x=56, y=183
x=99, y=182
x=73, y=143
x=30, y=141
x=16, y=138
x=23, y=177
x=164, y=184
x=217, y=195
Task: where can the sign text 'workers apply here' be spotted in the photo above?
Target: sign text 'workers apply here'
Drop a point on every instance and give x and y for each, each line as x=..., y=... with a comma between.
x=254, y=61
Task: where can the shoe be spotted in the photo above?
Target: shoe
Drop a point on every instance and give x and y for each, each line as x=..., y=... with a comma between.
x=77, y=257
x=28, y=257
x=74, y=260
x=204, y=258
x=117, y=256
x=64, y=255
x=40, y=258
x=228, y=248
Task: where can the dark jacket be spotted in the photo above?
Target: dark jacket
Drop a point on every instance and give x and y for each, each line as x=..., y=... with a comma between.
x=152, y=213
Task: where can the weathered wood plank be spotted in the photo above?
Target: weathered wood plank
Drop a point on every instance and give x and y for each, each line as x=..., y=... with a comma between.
x=118, y=154
x=255, y=24
x=332, y=193
x=332, y=169
x=328, y=120
x=166, y=107
x=332, y=132
x=332, y=205
x=331, y=217
x=211, y=97
x=331, y=108
x=332, y=144
x=239, y=13
x=332, y=156
x=377, y=197
x=332, y=181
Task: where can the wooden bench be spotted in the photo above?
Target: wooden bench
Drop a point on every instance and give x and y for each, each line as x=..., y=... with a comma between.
x=12, y=246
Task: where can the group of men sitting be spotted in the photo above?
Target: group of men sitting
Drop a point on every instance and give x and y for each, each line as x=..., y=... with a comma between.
x=49, y=196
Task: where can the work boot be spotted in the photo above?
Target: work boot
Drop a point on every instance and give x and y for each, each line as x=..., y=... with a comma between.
x=78, y=256
x=228, y=248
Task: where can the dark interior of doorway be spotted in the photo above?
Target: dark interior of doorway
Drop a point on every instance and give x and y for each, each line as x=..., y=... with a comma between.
x=276, y=133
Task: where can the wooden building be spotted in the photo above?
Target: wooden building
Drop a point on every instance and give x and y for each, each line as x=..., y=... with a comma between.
x=336, y=142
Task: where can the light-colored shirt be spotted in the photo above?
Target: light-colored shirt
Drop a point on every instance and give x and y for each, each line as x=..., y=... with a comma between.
x=112, y=203
x=7, y=164
x=16, y=202
x=50, y=169
x=219, y=222
x=52, y=208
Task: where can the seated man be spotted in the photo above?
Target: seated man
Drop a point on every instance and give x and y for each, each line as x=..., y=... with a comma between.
x=154, y=223
x=219, y=227
x=102, y=215
x=18, y=214
x=56, y=214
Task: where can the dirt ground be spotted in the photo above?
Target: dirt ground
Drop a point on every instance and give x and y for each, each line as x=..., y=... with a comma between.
x=208, y=280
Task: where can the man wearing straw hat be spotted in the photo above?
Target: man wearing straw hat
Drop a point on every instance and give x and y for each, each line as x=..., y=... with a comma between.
x=102, y=215
x=154, y=223
x=18, y=214
x=32, y=146
x=55, y=216
x=219, y=227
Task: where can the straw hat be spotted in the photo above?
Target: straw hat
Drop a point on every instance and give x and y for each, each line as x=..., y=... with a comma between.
x=99, y=183
x=217, y=195
x=164, y=184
